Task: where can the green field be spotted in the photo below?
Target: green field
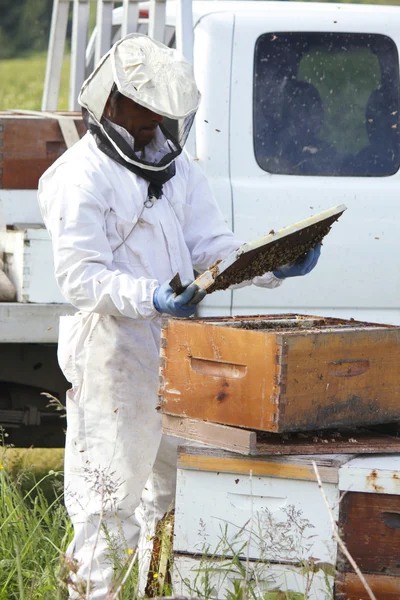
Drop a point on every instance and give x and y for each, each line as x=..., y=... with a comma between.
x=22, y=82
x=35, y=530
x=22, y=78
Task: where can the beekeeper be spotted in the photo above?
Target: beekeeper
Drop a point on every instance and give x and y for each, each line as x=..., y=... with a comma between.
x=127, y=208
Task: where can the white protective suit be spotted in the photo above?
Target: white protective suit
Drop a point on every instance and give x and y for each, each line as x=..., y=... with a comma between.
x=110, y=253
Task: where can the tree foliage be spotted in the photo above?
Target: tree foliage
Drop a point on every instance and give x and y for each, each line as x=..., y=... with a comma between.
x=24, y=26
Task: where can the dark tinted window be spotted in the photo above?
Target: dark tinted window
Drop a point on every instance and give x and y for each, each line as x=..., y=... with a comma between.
x=326, y=104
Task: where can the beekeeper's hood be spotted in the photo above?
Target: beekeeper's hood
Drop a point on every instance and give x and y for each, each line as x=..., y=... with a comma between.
x=154, y=76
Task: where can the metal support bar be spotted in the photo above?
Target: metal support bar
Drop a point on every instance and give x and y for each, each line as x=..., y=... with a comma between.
x=103, y=28
x=184, y=29
x=58, y=32
x=157, y=20
x=80, y=23
x=130, y=17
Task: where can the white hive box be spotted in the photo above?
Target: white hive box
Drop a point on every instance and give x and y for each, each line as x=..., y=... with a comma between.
x=28, y=259
x=275, y=518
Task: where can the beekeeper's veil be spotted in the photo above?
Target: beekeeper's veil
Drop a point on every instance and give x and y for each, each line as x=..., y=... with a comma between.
x=156, y=77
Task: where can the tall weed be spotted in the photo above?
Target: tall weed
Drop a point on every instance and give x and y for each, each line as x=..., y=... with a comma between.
x=34, y=533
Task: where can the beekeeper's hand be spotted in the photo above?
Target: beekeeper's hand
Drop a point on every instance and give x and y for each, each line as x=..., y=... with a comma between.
x=178, y=305
x=301, y=266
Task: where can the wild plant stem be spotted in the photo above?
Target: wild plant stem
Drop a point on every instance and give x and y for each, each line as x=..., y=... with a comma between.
x=309, y=582
x=339, y=540
x=19, y=572
x=249, y=542
x=128, y=572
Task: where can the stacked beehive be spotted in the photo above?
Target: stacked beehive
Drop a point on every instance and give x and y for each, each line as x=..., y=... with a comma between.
x=290, y=386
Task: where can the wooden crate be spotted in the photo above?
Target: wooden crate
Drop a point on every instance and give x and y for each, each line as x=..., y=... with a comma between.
x=370, y=528
x=349, y=587
x=280, y=373
x=369, y=522
x=28, y=146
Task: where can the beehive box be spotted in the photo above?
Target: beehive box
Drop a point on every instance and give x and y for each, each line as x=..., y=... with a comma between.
x=29, y=145
x=369, y=522
x=268, y=513
x=265, y=513
x=280, y=373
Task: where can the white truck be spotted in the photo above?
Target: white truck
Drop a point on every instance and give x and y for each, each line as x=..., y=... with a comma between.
x=300, y=112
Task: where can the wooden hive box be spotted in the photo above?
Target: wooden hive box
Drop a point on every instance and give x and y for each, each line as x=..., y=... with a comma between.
x=280, y=373
x=28, y=146
x=369, y=524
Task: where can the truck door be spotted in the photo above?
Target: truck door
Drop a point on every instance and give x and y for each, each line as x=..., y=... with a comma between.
x=315, y=123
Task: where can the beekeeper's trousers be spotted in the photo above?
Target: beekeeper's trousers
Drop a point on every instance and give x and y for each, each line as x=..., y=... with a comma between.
x=120, y=473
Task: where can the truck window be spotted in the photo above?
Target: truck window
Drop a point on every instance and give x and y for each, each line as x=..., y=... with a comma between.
x=326, y=104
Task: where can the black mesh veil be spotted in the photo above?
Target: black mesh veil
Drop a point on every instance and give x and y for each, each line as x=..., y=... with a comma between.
x=166, y=145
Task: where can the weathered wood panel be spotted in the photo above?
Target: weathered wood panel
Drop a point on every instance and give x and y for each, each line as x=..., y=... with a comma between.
x=242, y=441
x=341, y=378
x=252, y=443
x=220, y=374
x=29, y=145
x=370, y=528
x=283, y=379
x=287, y=467
x=356, y=442
x=372, y=474
x=349, y=587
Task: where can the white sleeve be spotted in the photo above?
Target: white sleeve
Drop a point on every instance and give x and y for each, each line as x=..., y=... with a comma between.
x=75, y=219
x=208, y=237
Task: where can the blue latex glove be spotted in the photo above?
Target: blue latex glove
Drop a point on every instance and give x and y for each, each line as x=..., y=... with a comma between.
x=301, y=266
x=178, y=305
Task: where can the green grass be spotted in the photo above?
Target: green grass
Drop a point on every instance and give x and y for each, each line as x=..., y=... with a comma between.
x=34, y=532
x=22, y=82
x=34, y=464
x=38, y=461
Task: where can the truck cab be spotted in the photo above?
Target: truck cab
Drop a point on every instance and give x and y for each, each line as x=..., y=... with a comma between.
x=300, y=112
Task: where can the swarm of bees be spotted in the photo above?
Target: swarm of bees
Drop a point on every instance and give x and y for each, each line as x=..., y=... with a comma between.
x=276, y=254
